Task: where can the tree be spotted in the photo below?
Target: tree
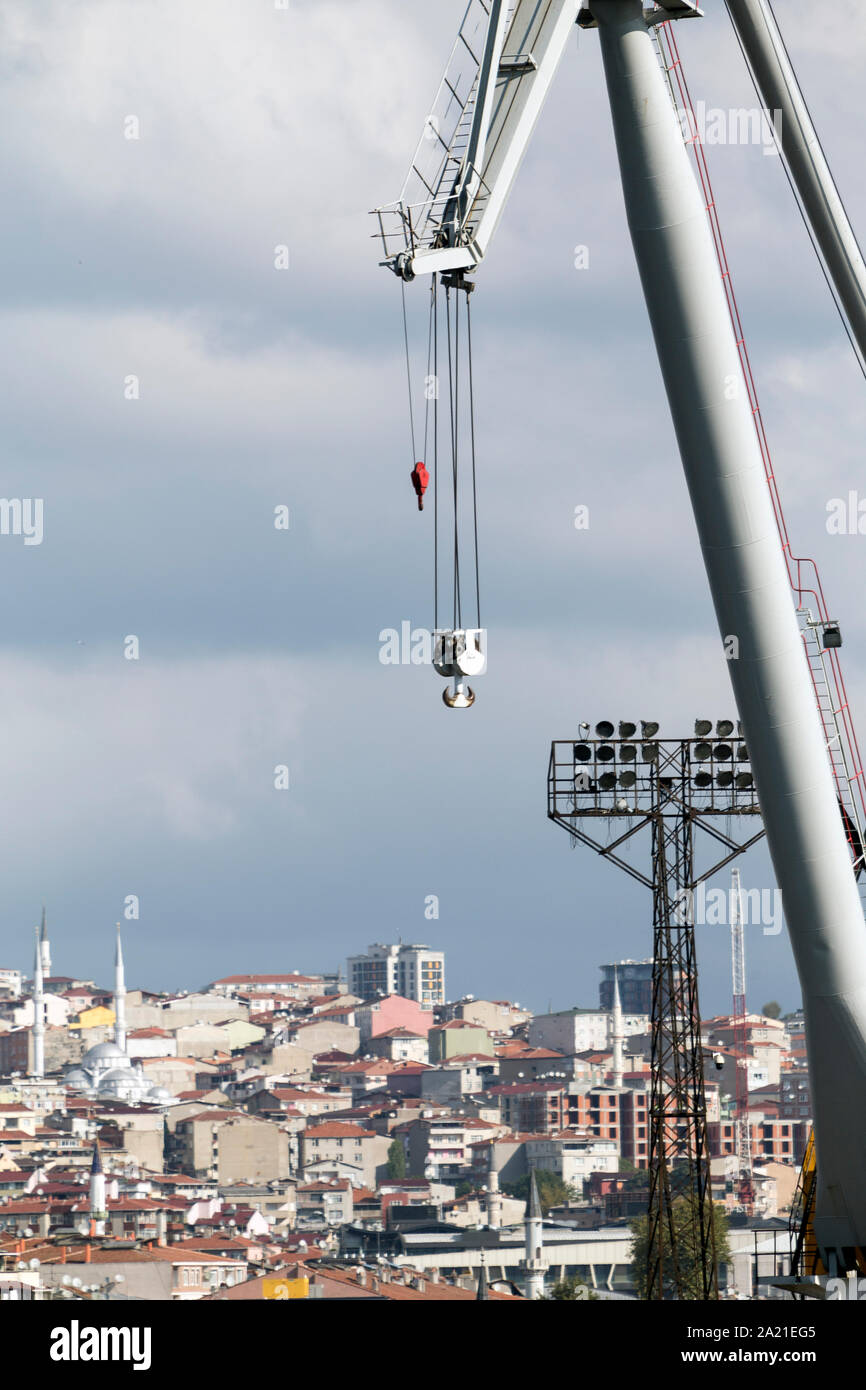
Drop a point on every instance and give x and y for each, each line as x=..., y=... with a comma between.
x=552, y=1191
x=396, y=1160
x=687, y=1248
x=771, y=1010
x=571, y=1290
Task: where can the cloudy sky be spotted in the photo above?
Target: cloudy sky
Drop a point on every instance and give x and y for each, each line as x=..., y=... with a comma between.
x=154, y=258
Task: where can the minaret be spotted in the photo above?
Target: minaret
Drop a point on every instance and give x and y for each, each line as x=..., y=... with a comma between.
x=533, y=1265
x=494, y=1196
x=482, y=1290
x=38, y=1013
x=98, y=1213
x=119, y=996
x=617, y=1034
x=45, y=946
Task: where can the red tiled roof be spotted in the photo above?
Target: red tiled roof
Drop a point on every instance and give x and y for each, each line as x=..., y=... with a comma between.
x=381, y=1067
x=293, y=1093
x=332, y=1129
x=159, y=1254
x=193, y=1063
x=205, y=1243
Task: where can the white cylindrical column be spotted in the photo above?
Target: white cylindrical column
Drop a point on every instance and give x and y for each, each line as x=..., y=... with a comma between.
x=533, y=1226
x=119, y=996
x=749, y=584
x=38, y=1013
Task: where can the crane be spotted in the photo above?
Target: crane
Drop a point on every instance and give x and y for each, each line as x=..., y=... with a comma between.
x=504, y=60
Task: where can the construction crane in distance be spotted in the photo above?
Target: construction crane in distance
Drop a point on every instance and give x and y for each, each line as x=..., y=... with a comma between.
x=504, y=61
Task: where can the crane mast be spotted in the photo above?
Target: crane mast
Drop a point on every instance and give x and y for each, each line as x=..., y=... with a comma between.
x=749, y=585
x=448, y=227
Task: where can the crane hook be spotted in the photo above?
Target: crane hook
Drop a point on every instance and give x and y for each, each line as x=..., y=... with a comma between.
x=461, y=697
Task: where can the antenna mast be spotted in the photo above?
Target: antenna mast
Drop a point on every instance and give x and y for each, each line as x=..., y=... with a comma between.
x=743, y=1150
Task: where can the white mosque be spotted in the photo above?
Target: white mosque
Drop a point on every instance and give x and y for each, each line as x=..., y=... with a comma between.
x=106, y=1072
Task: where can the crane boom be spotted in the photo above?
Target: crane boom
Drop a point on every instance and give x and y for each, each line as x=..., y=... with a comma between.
x=765, y=52
x=467, y=159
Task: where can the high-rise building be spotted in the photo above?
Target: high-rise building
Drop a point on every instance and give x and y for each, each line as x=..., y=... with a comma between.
x=414, y=971
x=635, y=979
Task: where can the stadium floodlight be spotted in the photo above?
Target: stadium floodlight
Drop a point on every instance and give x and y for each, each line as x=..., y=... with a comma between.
x=703, y=779
x=605, y=753
x=703, y=727
x=607, y=781
x=723, y=752
x=627, y=753
x=742, y=754
x=627, y=730
x=724, y=728
x=743, y=780
x=582, y=753
x=604, y=729
x=724, y=779
x=627, y=779
x=648, y=728
x=703, y=751
x=649, y=753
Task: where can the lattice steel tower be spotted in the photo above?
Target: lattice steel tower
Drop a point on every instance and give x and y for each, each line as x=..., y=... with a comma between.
x=676, y=790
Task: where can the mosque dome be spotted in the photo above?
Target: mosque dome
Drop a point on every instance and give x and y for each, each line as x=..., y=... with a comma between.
x=126, y=1084
x=79, y=1079
x=103, y=1052
x=106, y=1069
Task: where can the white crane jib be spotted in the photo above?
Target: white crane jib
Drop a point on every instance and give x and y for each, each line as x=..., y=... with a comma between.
x=448, y=227
x=499, y=73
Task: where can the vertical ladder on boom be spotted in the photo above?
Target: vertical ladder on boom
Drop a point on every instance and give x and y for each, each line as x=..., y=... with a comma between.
x=841, y=748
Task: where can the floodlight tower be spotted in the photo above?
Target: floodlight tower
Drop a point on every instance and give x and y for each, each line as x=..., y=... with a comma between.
x=746, y=1185
x=676, y=789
